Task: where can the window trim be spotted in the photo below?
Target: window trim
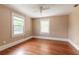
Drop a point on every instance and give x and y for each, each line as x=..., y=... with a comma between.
x=17, y=15
x=48, y=27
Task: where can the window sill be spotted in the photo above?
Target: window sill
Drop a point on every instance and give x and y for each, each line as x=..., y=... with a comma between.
x=17, y=35
x=44, y=33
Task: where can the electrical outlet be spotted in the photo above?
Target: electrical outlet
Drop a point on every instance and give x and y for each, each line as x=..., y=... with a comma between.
x=4, y=42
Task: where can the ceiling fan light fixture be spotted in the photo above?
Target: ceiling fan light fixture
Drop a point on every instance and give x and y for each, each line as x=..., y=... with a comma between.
x=43, y=7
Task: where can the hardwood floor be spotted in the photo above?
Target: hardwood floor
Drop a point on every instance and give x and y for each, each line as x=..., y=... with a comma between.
x=41, y=47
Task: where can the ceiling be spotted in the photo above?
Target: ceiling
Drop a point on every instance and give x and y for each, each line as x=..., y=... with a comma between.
x=33, y=10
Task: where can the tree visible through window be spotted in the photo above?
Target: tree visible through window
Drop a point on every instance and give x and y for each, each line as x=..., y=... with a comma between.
x=18, y=25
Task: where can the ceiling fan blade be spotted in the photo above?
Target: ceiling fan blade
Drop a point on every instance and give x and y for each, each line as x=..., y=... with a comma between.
x=75, y=5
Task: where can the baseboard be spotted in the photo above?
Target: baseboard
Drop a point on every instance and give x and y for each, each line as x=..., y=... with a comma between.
x=74, y=45
x=13, y=43
x=50, y=38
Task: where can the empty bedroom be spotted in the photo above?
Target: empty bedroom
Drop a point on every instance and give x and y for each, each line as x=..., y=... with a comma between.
x=39, y=29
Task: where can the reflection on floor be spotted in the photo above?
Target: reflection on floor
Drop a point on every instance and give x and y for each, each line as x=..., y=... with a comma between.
x=41, y=47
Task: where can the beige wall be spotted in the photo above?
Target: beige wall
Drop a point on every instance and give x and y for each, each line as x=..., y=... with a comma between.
x=74, y=26
x=6, y=26
x=58, y=27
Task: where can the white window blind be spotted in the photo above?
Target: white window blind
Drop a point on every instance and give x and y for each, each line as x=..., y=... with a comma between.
x=18, y=25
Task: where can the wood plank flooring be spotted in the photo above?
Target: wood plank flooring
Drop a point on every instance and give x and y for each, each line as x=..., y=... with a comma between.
x=41, y=47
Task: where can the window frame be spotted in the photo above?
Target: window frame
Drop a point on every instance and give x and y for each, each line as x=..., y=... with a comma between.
x=19, y=16
x=46, y=19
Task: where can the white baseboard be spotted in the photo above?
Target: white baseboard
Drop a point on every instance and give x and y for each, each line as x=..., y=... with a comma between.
x=50, y=38
x=14, y=43
x=74, y=45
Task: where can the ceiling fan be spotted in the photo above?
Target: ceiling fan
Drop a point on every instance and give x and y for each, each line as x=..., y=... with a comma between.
x=43, y=7
x=76, y=5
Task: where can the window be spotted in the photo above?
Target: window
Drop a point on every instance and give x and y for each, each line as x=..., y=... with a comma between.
x=18, y=25
x=44, y=24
